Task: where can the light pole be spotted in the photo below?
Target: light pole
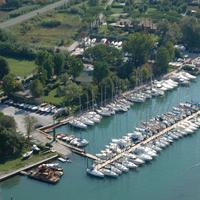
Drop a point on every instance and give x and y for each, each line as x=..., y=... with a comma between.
x=54, y=130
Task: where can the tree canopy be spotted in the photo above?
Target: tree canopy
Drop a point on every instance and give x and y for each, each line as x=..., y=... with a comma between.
x=139, y=46
x=105, y=53
x=191, y=33
x=101, y=71
x=74, y=66
x=11, y=143
x=36, y=88
x=162, y=61
x=10, y=84
x=4, y=68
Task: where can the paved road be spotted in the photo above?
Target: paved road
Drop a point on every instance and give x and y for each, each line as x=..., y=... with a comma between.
x=32, y=14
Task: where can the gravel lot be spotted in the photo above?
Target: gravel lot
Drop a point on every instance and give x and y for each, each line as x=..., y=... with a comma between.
x=19, y=115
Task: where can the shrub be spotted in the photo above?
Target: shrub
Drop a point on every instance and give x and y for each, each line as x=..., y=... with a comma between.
x=51, y=24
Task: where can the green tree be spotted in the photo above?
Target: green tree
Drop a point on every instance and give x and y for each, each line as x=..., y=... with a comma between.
x=162, y=62
x=4, y=68
x=7, y=122
x=48, y=65
x=42, y=75
x=36, y=88
x=145, y=72
x=72, y=93
x=59, y=61
x=30, y=123
x=9, y=84
x=93, y=2
x=41, y=57
x=170, y=47
x=45, y=62
x=74, y=66
x=11, y=143
x=104, y=53
x=191, y=33
x=170, y=32
x=139, y=46
x=100, y=72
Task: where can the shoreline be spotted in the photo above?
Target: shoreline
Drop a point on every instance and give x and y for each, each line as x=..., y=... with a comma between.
x=17, y=171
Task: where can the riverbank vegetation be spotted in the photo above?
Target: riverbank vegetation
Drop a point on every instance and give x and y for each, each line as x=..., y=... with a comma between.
x=11, y=142
x=13, y=145
x=17, y=163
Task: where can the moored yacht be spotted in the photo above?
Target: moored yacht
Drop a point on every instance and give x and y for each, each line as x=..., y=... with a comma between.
x=95, y=172
x=108, y=172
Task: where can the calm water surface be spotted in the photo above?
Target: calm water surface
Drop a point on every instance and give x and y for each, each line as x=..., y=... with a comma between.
x=174, y=174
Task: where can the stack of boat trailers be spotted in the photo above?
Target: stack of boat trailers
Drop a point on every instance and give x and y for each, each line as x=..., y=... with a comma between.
x=145, y=143
x=123, y=103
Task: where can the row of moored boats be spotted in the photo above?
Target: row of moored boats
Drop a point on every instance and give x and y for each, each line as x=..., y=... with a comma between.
x=123, y=103
x=72, y=140
x=130, y=157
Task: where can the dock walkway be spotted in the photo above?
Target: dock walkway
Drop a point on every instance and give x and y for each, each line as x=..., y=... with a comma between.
x=11, y=174
x=132, y=148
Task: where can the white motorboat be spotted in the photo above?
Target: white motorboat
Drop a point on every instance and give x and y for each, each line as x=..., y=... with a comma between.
x=108, y=172
x=120, y=167
x=144, y=157
x=104, y=113
x=95, y=173
x=79, y=142
x=62, y=160
x=77, y=124
x=129, y=164
x=86, y=121
x=27, y=155
x=114, y=169
x=138, y=161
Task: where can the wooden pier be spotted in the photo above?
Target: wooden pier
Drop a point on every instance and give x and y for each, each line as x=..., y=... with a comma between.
x=132, y=148
x=50, y=127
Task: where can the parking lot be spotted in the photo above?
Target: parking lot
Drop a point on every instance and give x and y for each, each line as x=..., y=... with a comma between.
x=19, y=115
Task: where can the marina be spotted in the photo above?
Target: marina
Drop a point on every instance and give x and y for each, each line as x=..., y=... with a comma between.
x=173, y=175
x=167, y=169
x=100, y=99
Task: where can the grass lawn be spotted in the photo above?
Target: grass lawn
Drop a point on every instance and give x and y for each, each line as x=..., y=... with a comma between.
x=19, y=163
x=34, y=33
x=52, y=99
x=21, y=68
x=117, y=10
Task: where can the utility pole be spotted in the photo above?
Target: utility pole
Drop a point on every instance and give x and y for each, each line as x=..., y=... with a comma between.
x=54, y=130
